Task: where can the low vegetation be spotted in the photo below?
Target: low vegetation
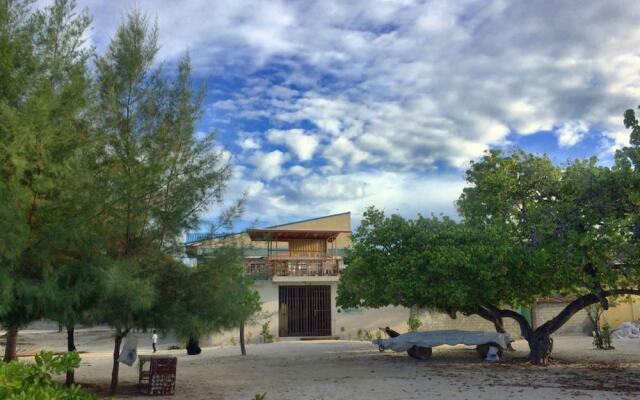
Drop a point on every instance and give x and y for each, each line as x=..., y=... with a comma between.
x=35, y=380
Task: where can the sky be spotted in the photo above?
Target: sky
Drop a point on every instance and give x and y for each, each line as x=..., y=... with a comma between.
x=332, y=106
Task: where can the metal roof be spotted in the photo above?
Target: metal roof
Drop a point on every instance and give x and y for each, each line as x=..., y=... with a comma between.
x=290, y=234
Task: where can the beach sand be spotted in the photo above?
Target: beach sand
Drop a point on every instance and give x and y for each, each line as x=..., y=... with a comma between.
x=356, y=370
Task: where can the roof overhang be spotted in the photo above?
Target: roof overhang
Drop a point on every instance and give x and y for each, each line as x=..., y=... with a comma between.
x=292, y=234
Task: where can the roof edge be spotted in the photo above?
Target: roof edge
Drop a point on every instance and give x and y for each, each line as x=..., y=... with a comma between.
x=306, y=220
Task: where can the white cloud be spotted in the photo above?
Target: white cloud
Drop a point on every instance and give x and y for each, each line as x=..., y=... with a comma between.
x=402, y=87
x=249, y=141
x=316, y=195
x=268, y=165
x=302, y=144
x=299, y=170
x=571, y=133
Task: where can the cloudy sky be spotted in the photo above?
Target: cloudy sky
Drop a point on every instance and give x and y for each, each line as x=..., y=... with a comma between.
x=331, y=106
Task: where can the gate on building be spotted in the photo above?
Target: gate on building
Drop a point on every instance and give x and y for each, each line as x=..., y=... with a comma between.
x=305, y=311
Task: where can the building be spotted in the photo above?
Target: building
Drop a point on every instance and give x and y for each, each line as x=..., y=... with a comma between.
x=297, y=268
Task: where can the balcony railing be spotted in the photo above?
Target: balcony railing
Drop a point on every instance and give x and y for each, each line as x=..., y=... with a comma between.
x=329, y=266
x=300, y=255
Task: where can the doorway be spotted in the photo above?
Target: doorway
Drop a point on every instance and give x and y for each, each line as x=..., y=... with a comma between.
x=305, y=311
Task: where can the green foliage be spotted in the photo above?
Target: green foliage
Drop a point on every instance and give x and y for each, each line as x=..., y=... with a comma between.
x=262, y=396
x=426, y=262
x=212, y=296
x=265, y=333
x=602, y=332
x=34, y=381
x=414, y=323
x=529, y=230
x=44, y=142
x=602, y=337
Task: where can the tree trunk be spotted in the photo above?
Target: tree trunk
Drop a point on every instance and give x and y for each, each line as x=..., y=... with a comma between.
x=541, y=346
x=116, y=365
x=242, y=349
x=71, y=346
x=10, y=353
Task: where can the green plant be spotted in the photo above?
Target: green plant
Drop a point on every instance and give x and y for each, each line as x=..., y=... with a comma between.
x=601, y=331
x=247, y=337
x=414, y=323
x=262, y=396
x=233, y=341
x=265, y=333
x=34, y=381
x=602, y=337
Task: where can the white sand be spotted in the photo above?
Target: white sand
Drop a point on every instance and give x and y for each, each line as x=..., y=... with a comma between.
x=356, y=370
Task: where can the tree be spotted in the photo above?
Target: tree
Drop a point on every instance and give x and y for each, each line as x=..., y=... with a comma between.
x=218, y=294
x=434, y=263
x=43, y=139
x=156, y=176
x=530, y=230
x=569, y=225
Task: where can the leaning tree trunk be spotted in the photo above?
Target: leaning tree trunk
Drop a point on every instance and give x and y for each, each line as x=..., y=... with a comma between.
x=540, y=346
x=10, y=349
x=242, y=349
x=116, y=364
x=71, y=346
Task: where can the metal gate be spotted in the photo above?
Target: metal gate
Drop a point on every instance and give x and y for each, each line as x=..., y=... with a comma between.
x=305, y=311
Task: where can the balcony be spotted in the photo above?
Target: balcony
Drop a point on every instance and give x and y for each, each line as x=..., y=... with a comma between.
x=304, y=267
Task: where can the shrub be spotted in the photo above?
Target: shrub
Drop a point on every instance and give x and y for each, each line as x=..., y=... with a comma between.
x=34, y=381
x=602, y=338
x=265, y=333
x=601, y=331
x=364, y=334
x=414, y=323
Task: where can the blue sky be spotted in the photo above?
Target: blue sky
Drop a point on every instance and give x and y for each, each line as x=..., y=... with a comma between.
x=331, y=106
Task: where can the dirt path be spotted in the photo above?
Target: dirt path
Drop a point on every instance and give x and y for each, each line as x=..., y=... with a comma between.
x=356, y=370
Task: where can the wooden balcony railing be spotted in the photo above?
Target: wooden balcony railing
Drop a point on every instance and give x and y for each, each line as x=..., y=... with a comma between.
x=329, y=266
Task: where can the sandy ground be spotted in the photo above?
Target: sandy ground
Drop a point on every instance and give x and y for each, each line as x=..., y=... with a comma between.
x=356, y=370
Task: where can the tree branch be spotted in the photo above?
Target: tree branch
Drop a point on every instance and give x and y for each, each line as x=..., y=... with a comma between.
x=525, y=329
x=581, y=302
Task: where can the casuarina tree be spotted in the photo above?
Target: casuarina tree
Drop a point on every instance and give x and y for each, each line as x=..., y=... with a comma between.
x=44, y=136
x=156, y=175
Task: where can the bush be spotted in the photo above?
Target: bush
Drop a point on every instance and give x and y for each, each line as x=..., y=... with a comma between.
x=364, y=334
x=265, y=333
x=414, y=323
x=602, y=338
x=20, y=381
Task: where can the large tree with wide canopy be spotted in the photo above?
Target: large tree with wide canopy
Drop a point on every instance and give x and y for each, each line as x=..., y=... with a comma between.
x=529, y=229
